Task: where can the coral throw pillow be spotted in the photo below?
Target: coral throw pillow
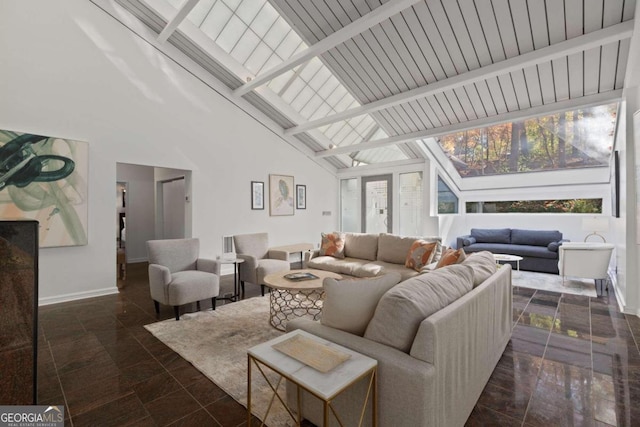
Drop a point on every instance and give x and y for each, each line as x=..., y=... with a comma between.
x=420, y=254
x=332, y=245
x=451, y=256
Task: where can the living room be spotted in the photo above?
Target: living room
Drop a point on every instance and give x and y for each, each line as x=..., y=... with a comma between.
x=93, y=72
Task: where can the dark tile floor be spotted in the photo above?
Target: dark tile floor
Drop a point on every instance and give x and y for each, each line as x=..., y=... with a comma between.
x=572, y=361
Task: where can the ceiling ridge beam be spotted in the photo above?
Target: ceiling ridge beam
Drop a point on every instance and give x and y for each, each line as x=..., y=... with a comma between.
x=180, y=16
x=556, y=107
x=356, y=170
x=607, y=35
x=376, y=16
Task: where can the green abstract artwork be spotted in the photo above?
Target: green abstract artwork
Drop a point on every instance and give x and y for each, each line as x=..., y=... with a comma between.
x=45, y=178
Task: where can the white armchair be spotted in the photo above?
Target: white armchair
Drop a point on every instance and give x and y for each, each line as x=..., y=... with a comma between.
x=259, y=259
x=178, y=276
x=585, y=260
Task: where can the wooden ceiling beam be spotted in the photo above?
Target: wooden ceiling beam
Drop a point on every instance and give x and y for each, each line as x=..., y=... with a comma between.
x=376, y=16
x=556, y=107
x=180, y=16
x=607, y=35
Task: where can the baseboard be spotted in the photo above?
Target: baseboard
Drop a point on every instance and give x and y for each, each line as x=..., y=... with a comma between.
x=613, y=278
x=77, y=295
x=136, y=260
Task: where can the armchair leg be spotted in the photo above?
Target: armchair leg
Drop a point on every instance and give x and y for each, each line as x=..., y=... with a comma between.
x=242, y=286
x=176, y=310
x=262, y=289
x=213, y=303
x=198, y=305
x=157, y=306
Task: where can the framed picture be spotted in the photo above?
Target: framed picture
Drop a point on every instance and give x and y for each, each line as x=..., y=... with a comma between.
x=257, y=195
x=280, y=195
x=301, y=197
x=46, y=178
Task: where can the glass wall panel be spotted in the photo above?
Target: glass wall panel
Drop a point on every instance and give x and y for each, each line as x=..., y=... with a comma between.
x=568, y=140
x=349, y=205
x=537, y=206
x=447, y=199
x=411, y=204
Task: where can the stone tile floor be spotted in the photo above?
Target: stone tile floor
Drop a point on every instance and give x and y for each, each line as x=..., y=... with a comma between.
x=572, y=360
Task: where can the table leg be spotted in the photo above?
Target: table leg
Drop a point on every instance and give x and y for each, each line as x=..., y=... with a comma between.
x=374, y=416
x=248, y=390
x=236, y=285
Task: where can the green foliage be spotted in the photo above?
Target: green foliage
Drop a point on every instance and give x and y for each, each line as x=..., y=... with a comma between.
x=572, y=139
x=537, y=206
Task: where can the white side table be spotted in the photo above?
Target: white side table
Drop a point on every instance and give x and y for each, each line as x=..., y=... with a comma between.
x=508, y=258
x=325, y=386
x=236, y=283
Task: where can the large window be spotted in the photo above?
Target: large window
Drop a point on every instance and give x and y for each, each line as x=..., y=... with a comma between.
x=447, y=199
x=537, y=206
x=411, y=204
x=568, y=140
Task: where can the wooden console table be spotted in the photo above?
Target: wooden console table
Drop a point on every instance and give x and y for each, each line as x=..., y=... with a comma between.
x=295, y=248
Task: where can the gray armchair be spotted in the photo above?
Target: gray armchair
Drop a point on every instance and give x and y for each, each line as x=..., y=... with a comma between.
x=259, y=260
x=177, y=276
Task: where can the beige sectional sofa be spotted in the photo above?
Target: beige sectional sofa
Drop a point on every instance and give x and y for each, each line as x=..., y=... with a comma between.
x=437, y=338
x=369, y=255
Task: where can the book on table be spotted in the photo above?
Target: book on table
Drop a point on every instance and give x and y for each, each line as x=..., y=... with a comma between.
x=300, y=276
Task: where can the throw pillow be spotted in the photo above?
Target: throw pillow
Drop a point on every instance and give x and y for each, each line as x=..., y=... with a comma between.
x=349, y=304
x=332, y=245
x=451, y=256
x=420, y=254
x=401, y=310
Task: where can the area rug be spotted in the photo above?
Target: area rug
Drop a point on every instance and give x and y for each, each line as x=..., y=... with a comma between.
x=216, y=343
x=553, y=283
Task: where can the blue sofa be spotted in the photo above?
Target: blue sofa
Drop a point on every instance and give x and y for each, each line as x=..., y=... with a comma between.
x=538, y=248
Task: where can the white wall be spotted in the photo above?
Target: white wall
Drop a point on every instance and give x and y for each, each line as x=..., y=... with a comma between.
x=79, y=74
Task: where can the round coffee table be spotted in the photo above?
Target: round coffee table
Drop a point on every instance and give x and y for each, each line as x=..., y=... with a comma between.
x=508, y=258
x=289, y=298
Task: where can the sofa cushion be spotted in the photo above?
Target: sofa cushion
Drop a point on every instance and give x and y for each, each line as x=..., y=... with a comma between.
x=553, y=246
x=534, y=237
x=361, y=245
x=402, y=309
x=368, y=270
x=405, y=273
x=392, y=248
x=451, y=256
x=332, y=244
x=420, y=254
x=340, y=266
x=467, y=241
x=349, y=304
x=483, y=264
x=491, y=235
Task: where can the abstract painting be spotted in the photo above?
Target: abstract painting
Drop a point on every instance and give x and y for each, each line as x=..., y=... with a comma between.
x=280, y=195
x=45, y=178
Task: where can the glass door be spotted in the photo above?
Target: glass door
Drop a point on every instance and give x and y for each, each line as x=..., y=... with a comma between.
x=377, y=212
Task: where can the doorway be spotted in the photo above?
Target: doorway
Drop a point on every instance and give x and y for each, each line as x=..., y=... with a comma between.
x=121, y=230
x=377, y=206
x=143, y=205
x=173, y=195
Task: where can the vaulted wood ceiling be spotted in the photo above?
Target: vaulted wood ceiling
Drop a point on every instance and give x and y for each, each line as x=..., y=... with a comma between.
x=436, y=66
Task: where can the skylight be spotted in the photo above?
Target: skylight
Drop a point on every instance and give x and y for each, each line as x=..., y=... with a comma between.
x=569, y=140
x=254, y=34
